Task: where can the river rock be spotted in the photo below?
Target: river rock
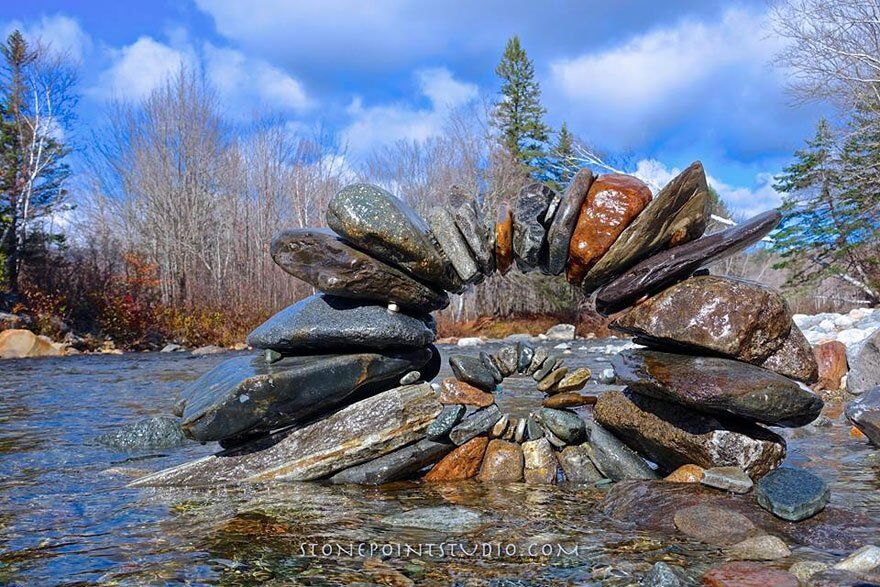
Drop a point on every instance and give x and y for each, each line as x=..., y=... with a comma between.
x=864, y=560
x=503, y=462
x=440, y=428
x=717, y=526
x=686, y=474
x=671, y=435
x=538, y=359
x=864, y=413
x=386, y=227
x=792, y=494
x=679, y=213
x=526, y=353
x=504, y=239
x=613, y=458
x=462, y=463
x=453, y=391
x=153, y=433
x=567, y=426
x=477, y=234
x=530, y=224
x=568, y=400
x=396, y=465
x=577, y=464
x=839, y=578
x=453, y=245
x=540, y=462
x=718, y=386
x=663, y=575
x=552, y=363
x=551, y=380
x=664, y=269
x=864, y=369
x=727, y=478
x=574, y=381
x=448, y=519
x=533, y=429
x=19, y=343
x=500, y=427
x=245, y=394
x=708, y=313
x=794, y=359
x=328, y=263
x=758, y=548
x=323, y=323
x=489, y=363
x=831, y=360
x=355, y=434
x=477, y=423
x=472, y=370
x=508, y=359
x=565, y=220
x=561, y=332
x=747, y=574
x=613, y=202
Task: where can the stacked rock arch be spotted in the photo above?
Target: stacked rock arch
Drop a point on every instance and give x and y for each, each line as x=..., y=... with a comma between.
x=343, y=393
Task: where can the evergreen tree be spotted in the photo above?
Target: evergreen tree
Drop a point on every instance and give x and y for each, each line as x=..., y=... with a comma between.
x=563, y=155
x=519, y=114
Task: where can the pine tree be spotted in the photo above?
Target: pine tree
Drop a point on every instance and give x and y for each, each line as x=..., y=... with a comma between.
x=519, y=114
x=563, y=155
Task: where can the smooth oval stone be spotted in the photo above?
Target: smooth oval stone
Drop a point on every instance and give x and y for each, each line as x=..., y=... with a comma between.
x=471, y=370
x=680, y=212
x=567, y=426
x=462, y=463
x=502, y=463
x=792, y=494
x=713, y=525
x=476, y=424
x=864, y=413
x=718, y=386
x=328, y=263
x=386, y=227
x=489, y=363
x=762, y=548
x=564, y=221
x=667, y=267
x=445, y=422
x=453, y=245
x=741, y=319
x=331, y=323
x=529, y=228
x=613, y=202
x=477, y=234
x=394, y=466
x=504, y=239
x=245, y=394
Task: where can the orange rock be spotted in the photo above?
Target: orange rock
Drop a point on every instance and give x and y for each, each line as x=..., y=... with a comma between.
x=569, y=400
x=504, y=239
x=746, y=574
x=462, y=463
x=857, y=434
x=831, y=358
x=686, y=474
x=503, y=462
x=453, y=391
x=613, y=201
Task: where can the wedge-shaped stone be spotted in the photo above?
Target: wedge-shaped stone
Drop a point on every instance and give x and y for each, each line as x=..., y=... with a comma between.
x=795, y=358
x=864, y=413
x=718, y=386
x=477, y=233
x=453, y=245
x=322, y=323
x=462, y=463
x=613, y=458
x=504, y=239
x=394, y=466
x=386, y=227
x=564, y=221
x=678, y=214
x=328, y=263
x=245, y=394
x=358, y=433
x=667, y=267
x=530, y=224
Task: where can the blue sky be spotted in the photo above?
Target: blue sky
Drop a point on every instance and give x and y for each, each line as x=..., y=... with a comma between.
x=690, y=80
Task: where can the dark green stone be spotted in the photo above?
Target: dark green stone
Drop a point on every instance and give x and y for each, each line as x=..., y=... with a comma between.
x=792, y=494
x=472, y=370
x=567, y=426
x=445, y=422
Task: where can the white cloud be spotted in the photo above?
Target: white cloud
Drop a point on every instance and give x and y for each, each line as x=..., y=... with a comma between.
x=374, y=126
x=139, y=68
x=61, y=32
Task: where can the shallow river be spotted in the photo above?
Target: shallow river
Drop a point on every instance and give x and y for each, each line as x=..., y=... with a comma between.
x=66, y=516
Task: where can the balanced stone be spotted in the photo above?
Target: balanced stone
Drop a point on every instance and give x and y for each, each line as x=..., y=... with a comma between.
x=540, y=462
x=328, y=263
x=613, y=458
x=673, y=436
x=472, y=370
x=453, y=391
x=709, y=314
x=477, y=234
x=476, y=424
x=568, y=400
x=567, y=426
x=678, y=214
x=489, y=363
x=728, y=478
x=548, y=384
x=504, y=239
x=795, y=358
x=577, y=465
x=718, y=386
x=355, y=434
x=533, y=429
x=462, y=463
x=549, y=365
x=245, y=394
x=529, y=224
x=445, y=422
x=574, y=381
x=526, y=353
x=864, y=413
x=667, y=267
x=508, y=359
x=613, y=202
x=538, y=359
x=565, y=220
x=396, y=465
x=453, y=245
x=387, y=228
x=520, y=433
x=503, y=462
x=500, y=427
x=322, y=323
x=792, y=494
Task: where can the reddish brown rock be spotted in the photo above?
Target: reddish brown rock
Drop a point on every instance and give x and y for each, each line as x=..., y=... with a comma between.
x=613, y=201
x=503, y=462
x=746, y=574
x=504, y=239
x=831, y=360
x=453, y=391
x=568, y=400
x=462, y=463
x=686, y=474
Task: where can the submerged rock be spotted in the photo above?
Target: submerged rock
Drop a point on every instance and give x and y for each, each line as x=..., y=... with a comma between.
x=577, y=464
x=455, y=519
x=322, y=323
x=530, y=224
x=713, y=525
x=728, y=478
x=396, y=465
x=663, y=575
x=864, y=413
x=565, y=220
x=758, y=548
x=328, y=263
x=746, y=574
x=155, y=432
x=792, y=494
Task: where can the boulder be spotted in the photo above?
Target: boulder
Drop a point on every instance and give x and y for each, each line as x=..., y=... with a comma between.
x=672, y=436
x=832, y=365
x=864, y=369
x=16, y=344
x=396, y=465
x=453, y=245
x=246, y=394
x=561, y=332
x=504, y=239
x=153, y=433
x=664, y=269
x=613, y=202
x=325, y=323
x=792, y=494
x=678, y=214
x=328, y=263
x=794, y=359
x=503, y=462
x=355, y=434
x=530, y=224
x=462, y=463
x=564, y=222
x=718, y=386
x=864, y=413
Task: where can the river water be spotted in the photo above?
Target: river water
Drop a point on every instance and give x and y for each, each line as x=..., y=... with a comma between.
x=67, y=517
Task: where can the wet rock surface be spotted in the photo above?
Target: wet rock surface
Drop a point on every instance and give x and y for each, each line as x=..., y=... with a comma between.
x=560, y=233
x=399, y=464
x=613, y=458
x=864, y=413
x=530, y=225
x=794, y=358
x=792, y=494
x=156, y=432
x=462, y=463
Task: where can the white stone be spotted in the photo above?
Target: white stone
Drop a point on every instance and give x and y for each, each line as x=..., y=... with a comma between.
x=844, y=321
x=470, y=341
x=865, y=559
x=827, y=325
x=561, y=332
x=562, y=345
